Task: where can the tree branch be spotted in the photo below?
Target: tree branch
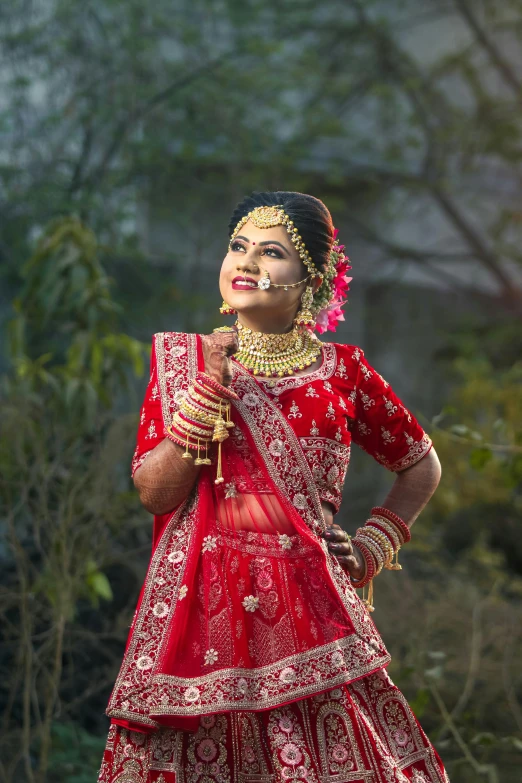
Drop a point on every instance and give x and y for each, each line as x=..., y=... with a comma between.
x=496, y=58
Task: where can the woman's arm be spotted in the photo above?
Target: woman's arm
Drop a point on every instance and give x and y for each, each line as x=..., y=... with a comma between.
x=413, y=488
x=165, y=479
x=409, y=494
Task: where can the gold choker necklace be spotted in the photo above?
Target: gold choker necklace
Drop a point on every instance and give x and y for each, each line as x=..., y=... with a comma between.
x=276, y=354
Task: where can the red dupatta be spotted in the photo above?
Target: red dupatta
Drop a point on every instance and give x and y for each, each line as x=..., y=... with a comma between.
x=243, y=607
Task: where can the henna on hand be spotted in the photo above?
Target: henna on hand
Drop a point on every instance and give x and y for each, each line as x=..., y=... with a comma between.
x=165, y=479
x=217, y=350
x=347, y=554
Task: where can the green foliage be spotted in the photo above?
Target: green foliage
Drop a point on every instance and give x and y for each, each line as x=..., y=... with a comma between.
x=64, y=500
x=75, y=755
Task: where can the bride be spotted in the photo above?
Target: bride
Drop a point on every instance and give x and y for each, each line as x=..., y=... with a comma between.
x=251, y=657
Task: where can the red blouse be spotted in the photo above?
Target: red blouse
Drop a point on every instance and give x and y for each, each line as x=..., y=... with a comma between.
x=344, y=400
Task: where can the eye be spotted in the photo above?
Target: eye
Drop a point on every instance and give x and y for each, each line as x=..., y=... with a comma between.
x=235, y=245
x=273, y=250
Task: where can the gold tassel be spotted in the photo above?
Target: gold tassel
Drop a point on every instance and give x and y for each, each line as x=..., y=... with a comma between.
x=396, y=566
x=228, y=423
x=186, y=454
x=220, y=434
x=219, y=475
x=198, y=460
x=368, y=601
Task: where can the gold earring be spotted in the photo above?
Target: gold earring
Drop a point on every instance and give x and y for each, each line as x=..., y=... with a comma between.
x=264, y=282
x=225, y=309
x=305, y=316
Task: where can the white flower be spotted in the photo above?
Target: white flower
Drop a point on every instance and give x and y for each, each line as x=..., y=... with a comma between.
x=250, y=400
x=276, y=447
x=176, y=557
x=179, y=396
x=300, y=501
x=251, y=603
x=285, y=541
x=160, y=609
x=183, y=590
x=144, y=663
x=209, y=543
x=242, y=685
x=191, y=694
x=230, y=490
x=211, y=656
x=287, y=674
x=337, y=658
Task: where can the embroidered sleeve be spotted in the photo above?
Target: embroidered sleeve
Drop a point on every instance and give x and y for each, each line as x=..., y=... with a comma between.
x=383, y=426
x=150, y=429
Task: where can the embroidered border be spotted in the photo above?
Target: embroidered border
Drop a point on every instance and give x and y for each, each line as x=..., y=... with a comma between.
x=331, y=446
x=416, y=453
x=289, y=679
x=173, y=382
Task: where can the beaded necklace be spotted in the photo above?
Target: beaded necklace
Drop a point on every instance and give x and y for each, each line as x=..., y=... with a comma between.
x=276, y=354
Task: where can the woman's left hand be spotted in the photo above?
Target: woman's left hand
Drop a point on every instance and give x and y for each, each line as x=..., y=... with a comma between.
x=346, y=554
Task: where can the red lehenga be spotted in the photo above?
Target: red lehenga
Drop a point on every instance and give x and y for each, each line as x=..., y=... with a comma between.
x=250, y=658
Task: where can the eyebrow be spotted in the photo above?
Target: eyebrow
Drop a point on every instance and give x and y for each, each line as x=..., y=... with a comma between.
x=268, y=242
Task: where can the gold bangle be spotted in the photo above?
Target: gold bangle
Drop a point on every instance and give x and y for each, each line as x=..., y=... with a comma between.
x=189, y=428
x=200, y=416
x=200, y=398
x=390, y=529
x=382, y=541
x=374, y=549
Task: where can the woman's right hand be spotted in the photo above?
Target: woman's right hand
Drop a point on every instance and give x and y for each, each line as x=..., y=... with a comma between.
x=346, y=553
x=217, y=350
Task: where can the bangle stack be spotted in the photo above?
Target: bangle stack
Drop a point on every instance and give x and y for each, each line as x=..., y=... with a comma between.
x=379, y=541
x=203, y=418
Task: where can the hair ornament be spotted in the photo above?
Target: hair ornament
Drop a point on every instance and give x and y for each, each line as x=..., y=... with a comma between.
x=330, y=297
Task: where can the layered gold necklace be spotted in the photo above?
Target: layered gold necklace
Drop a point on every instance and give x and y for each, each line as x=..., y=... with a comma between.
x=276, y=354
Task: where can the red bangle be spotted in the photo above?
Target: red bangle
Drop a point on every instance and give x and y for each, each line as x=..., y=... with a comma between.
x=370, y=566
x=205, y=379
x=200, y=424
x=175, y=438
x=396, y=520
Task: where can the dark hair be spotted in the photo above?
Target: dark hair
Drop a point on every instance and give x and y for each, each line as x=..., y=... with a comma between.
x=311, y=217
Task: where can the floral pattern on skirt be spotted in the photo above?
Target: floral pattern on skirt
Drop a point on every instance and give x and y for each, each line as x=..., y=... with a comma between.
x=363, y=732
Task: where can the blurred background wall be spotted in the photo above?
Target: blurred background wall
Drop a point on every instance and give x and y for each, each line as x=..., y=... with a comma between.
x=128, y=132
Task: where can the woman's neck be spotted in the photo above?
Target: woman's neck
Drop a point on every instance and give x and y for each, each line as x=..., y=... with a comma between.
x=266, y=327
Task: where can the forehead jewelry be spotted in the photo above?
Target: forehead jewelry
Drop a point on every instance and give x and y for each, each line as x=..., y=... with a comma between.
x=268, y=217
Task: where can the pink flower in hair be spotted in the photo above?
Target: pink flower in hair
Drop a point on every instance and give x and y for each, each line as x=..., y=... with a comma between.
x=321, y=321
x=335, y=314
x=341, y=286
x=336, y=285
